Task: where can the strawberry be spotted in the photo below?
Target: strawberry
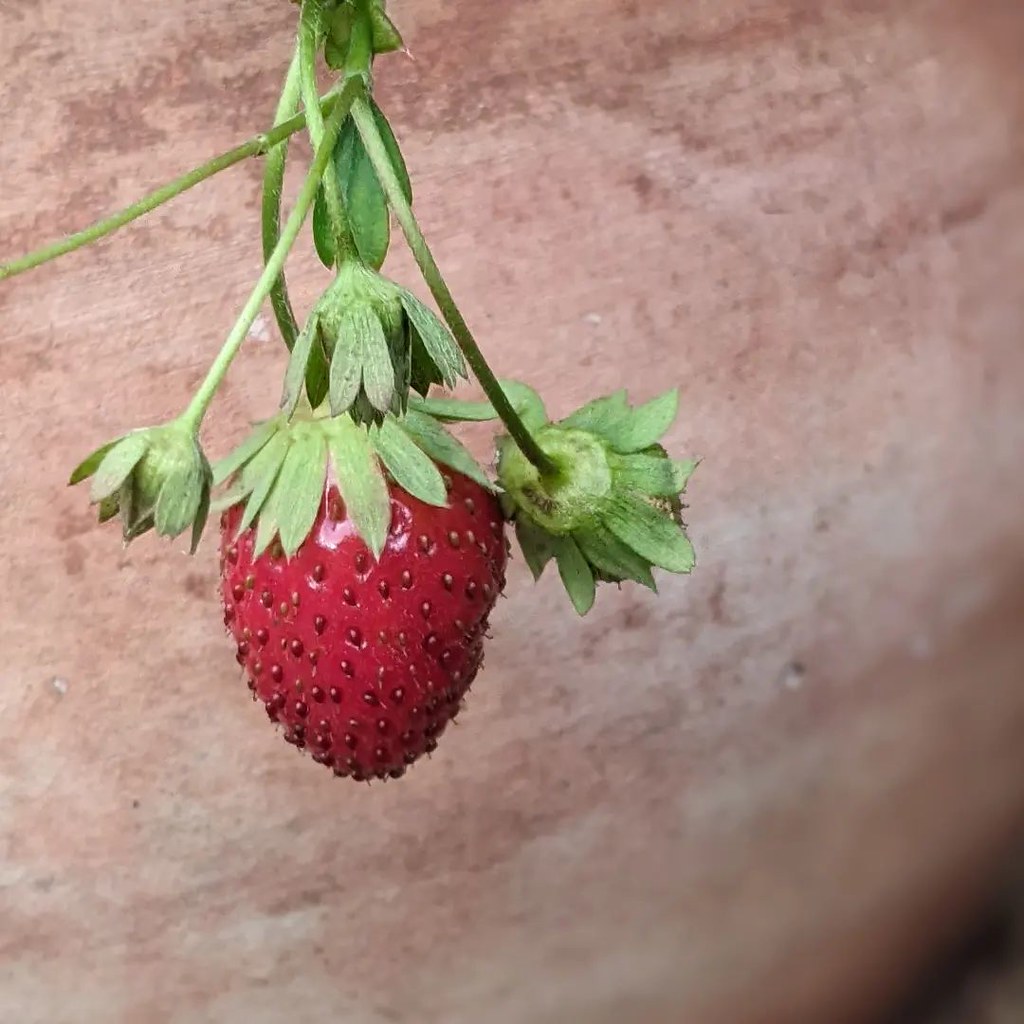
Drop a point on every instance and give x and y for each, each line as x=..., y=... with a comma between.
x=366, y=661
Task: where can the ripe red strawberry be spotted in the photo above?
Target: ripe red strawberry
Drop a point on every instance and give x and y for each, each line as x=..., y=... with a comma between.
x=365, y=663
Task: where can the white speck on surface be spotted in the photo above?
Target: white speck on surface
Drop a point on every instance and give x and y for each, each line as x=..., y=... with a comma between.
x=260, y=330
x=59, y=686
x=792, y=677
x=593, y=319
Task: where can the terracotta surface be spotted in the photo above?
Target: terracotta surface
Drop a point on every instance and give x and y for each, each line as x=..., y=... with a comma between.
x=767, y=796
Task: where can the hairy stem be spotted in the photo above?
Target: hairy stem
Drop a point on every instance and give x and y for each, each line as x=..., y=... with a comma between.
x=273, y=186
x=256, y=146
x=193, y=415
x=370, y=134
x=309, y=35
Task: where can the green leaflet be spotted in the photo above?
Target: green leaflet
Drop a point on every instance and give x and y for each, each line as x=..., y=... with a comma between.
x=199, y=523
x=604, y=416
x=656, y=475
x=339, y=35
x=298, y=362
x=231, y=463
x=301, y=486
x=361, y=483
x=408, y=465
x=323, y=232
x=117, y=465
x=537, y=546
x=649, y=533
x=179, y=500
x=386, y=38
x=91, y=462
x=576, y=574
x=437, y=341
x=259, y=477
x=109, y=507
x=646, y=424
x=612, y=559
x=526, y=402
x=442, y=447
x=378, y=370
x=393, y=149
x=347, y=360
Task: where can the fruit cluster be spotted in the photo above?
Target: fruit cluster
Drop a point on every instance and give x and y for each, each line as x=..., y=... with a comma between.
x=362, y=546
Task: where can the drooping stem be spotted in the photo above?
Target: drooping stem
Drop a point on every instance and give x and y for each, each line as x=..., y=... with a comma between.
x=273, y=185
x=366, y=124
x=309, y=35
x=196, y=410
x=256, y=146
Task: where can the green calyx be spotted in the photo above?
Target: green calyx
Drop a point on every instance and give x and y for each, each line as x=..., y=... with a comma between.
x=365, y=344
x=280, y=473
x=610, y=509
x=154, y=479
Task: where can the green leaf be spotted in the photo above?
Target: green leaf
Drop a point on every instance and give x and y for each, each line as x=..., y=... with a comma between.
x=117, y=465
x=295, y=375
x=394, y=150
x=233, y=461
x=179, y=499
x=538, y=547
x=339, y=35
x=109, y=507
x=526, y=402
x=266, y=528
x=649, y=533
x=442, y=447
x=323, y=231
x=362, y=196
x=260, y=475
x=437, y=340
x=378, y=370
x=656, y=475
x=576, y=574
x=408, y=465
x=386, y=38
x=347, y=361
x=361, y=483
x=647, y=423
x=612, y=559
x=301, y=487
x=202, y=514
x=91, y=463
x=603, y=416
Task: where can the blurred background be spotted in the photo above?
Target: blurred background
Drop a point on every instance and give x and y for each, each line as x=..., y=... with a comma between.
x=790, y=789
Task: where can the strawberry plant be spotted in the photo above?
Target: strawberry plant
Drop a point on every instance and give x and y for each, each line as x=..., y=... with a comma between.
x=362, y=546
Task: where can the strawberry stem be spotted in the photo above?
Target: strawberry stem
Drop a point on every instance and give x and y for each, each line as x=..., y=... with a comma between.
x=366, y=124
x=309, y=38
x=193, y=415
x=273, y=187
x=258, y=145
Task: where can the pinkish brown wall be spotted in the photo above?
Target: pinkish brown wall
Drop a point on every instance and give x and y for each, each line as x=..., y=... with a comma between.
x=759, y=799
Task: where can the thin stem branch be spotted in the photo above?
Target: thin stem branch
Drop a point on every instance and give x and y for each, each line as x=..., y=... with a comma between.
x=375, y=148
x=273, y=186
x=309, y=35
x=196, y=410
x=258, y=145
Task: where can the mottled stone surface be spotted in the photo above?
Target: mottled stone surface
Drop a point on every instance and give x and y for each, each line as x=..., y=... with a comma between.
x=764, y=798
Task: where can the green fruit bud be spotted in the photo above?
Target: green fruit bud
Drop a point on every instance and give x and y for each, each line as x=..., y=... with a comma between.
x=157, y=478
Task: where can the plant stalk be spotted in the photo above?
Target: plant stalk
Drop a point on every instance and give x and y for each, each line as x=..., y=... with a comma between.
x=270, y=213
x=259, y=145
